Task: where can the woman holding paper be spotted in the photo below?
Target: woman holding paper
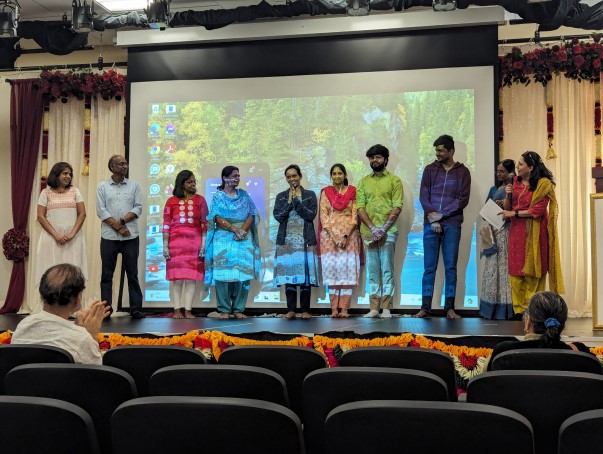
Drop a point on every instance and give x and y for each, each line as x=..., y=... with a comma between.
x=495, y=301
x=533, y=238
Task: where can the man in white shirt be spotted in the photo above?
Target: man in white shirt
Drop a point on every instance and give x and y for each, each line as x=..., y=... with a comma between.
x=61, y=290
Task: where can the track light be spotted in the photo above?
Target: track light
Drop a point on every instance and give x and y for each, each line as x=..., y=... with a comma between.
x=444, y=5
x=9, y=18
x=158, y=13
x=358, y=7
x=81, y=15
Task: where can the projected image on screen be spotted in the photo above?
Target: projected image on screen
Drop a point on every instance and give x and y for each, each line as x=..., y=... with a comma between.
x=263, y=136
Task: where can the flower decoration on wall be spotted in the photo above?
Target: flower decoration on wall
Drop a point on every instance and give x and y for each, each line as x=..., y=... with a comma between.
x=577, y=60
x=61, y=85
x=15, y=245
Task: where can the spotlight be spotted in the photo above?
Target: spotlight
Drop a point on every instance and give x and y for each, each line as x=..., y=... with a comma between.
x=444, y=5
x=158, y=13
x=81, y=15
x=9, y=18
x=358, y=7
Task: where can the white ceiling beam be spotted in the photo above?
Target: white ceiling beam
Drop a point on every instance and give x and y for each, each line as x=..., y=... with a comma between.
x=312, y=27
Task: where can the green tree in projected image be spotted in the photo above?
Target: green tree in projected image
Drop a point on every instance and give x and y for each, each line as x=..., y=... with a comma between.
x=316, y=132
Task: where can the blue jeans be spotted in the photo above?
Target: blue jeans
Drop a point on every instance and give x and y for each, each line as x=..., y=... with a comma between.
x=449, y=241
x=380, y=270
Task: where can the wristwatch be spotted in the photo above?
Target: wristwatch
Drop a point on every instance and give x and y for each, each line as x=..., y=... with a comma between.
x=122, y=221
x=516, y=213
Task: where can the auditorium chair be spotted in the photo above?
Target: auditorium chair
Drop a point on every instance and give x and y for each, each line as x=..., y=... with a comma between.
x=141, y=361
x=581, y=433
x=326, y=389
x=13, y=355
x=291, y=363
x=421, y=427
x=547, y=359
x=179, y=424
x=215, y=380
x=424, y=359
x=98, y=390
x=49, y=426
x=545, y=398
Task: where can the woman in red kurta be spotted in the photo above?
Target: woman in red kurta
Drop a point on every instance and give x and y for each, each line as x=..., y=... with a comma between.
x=533, y=246
x=184, y=232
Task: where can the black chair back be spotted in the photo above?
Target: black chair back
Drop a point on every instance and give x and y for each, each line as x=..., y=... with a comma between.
x=545, y=398
x=51, y=426
x=13, y=355
x=205, y=424
x=581, y=433
x=424, y=359
x=326, y=389
x=426, y=427
x=141, y=361
x=547, y=359
x=291, y=363
x=98, y=390
x=220, y=380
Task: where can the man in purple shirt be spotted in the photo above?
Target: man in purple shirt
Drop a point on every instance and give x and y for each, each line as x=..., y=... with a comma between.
x=445, y=188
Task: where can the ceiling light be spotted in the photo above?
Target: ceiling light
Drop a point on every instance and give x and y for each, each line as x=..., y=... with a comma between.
x=81, y=16
x=358, y=7
x=9, y=18
x=444, y=5
x=122, y=5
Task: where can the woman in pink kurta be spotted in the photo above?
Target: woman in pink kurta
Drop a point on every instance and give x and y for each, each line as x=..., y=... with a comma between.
x=184, y=232
x=533, y=245
x=339, y=241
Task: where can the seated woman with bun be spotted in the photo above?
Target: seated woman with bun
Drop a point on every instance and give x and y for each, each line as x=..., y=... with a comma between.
x=544, y=320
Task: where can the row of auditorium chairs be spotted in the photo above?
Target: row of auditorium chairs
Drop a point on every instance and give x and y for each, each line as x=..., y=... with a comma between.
x=234, y=425
x=317, y=390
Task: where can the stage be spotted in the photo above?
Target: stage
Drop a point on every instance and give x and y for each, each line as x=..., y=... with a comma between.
x=578, y=329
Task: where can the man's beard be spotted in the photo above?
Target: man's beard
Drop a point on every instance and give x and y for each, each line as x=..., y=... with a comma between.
x=378, y=167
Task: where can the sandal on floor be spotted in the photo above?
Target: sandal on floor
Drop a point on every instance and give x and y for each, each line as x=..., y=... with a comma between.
x=421, y=314
x=224, y=316
x=240, y=315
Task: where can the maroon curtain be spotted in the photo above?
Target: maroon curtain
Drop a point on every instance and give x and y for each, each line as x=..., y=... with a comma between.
x=26, y=112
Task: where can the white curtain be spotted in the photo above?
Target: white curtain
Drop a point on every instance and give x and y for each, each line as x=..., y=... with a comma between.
x=524, y=124
x=66, y=143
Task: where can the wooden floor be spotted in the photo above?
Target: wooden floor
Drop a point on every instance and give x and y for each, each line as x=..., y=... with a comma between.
x=435, y=326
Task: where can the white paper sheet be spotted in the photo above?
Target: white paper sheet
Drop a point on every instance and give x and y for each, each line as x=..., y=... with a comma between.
x=492, y=213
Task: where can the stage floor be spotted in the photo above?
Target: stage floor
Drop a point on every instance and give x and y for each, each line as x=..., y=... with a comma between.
x=579, y=329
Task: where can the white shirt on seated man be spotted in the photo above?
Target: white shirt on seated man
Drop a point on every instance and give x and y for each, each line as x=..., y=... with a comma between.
x=61, y=289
